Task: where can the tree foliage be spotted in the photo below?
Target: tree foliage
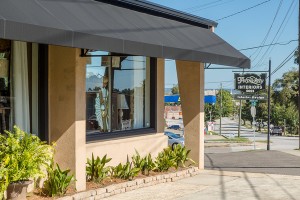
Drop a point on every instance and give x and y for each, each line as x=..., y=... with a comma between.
x=175, y=89
x=227, y=103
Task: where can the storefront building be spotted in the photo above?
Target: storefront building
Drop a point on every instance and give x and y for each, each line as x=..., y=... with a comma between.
x=89, y=75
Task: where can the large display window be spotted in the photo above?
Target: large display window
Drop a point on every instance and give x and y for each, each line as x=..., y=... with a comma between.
x=18, y=85
x=117, y=94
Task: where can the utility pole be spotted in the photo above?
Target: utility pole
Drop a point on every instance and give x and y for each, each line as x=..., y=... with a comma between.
x=298, y=59
x=220, y=131
x=240, y=116
x=269, y=102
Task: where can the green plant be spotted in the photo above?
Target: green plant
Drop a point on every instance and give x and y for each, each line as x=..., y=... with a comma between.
x=96, y=170
x=58, y=180
x=145, y=164
x=148, y=165
x=3, y=177
x=125, y=171
x=181, y=156
x=165, y=160
x=23, y=156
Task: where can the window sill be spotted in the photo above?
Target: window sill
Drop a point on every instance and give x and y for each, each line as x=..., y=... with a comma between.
x=96, y=137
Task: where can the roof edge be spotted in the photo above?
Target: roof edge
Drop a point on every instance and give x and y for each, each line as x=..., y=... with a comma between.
x=162, y=11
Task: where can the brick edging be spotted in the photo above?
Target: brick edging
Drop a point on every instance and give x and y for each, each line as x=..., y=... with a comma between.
x=132, y=185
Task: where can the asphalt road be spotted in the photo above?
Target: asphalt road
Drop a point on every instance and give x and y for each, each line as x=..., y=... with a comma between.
x=259, y=161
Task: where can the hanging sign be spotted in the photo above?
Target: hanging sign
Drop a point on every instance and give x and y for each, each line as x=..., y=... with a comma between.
x=250, y=97
x=250, y=83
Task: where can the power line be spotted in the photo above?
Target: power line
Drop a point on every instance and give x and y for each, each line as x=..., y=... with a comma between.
x=206, y=6
x=278, y=43
x=243, y=10
x=263, y=56
x=201, y=6
x=267, y=35
x=288, y=58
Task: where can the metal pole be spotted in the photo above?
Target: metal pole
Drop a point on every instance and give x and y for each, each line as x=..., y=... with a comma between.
x=254, y=134
x=220, y=131
x=240, y=116
x=269, y=101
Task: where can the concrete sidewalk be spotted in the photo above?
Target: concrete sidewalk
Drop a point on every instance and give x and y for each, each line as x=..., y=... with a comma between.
x=214, y=185
x=221, y=184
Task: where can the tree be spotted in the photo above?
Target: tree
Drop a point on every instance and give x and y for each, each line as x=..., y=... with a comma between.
x=210, y=108
x=246, y=114
x=175, y=89
x=285, y=98
x=286, y=88
x=296, y=57
x=227, y=104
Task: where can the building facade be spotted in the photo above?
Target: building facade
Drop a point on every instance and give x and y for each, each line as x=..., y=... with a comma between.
x=89, y=75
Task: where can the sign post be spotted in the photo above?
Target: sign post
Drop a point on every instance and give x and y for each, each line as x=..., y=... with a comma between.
x=253, y=114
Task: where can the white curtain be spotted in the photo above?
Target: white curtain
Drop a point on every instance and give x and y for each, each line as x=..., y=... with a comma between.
x=20, y=85
x=138, y=107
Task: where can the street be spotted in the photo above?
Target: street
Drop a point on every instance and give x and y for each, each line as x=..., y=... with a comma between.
x=276, y=142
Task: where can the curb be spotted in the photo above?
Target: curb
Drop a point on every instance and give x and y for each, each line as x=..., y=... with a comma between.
x=119, y=188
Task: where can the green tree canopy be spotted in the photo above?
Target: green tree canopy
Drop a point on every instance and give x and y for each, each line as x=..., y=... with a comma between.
x=227, y=103
x=175, y=89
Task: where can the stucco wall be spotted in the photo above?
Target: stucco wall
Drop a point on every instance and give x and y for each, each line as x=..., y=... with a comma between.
x=67, y=110
x=191, y=87
x=120, y=148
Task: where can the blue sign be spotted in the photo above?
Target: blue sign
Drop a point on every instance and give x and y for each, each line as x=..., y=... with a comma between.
x=176, y=98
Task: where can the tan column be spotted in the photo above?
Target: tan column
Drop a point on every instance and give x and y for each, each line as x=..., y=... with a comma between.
x=67, y=110
x=160, y=91
x=191, y=88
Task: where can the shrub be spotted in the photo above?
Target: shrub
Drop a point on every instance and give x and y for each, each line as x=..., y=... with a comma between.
x=125, y=171
x=96, y=170
x=181, y=156
x=22, y=156
x=58, y=181
x=3, y=177
x=145, y=164
x=165, y=160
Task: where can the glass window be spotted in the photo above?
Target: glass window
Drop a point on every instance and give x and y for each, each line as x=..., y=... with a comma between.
x=117, y=93
x=18, y=85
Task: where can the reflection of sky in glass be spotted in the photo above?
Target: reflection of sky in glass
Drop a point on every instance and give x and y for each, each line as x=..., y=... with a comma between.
x=133, y=77
x=123, y=79
x=95, y=67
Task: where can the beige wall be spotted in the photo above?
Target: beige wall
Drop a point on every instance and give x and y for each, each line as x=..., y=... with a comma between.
x=119, y=148
x=67, y=105
x=191, y=87
x=67, y=110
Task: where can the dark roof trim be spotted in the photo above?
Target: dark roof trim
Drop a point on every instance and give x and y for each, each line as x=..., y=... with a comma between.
x=90, y=24
x=163, y=11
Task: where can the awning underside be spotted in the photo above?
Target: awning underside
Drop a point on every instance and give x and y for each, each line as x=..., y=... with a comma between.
x=94, y=25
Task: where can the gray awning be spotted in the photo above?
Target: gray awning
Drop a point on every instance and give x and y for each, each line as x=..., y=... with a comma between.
x=94, y=25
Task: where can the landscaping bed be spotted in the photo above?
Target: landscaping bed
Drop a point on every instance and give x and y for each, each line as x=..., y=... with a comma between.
x=109, y=187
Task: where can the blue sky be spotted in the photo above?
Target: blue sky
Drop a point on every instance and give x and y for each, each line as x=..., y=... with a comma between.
x=244, y=30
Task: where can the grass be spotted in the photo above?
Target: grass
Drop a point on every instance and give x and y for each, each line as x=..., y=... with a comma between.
x=212, y=133
x=232, y=140
x=263, y=141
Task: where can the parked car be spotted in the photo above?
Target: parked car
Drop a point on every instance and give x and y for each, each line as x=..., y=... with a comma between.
x=175, y=127
x=174, y=139
x=276, y=130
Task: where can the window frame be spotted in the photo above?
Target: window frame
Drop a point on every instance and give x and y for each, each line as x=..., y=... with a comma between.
x=134, y=132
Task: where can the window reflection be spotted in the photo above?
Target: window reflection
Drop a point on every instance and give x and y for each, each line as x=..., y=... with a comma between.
x=118, y=93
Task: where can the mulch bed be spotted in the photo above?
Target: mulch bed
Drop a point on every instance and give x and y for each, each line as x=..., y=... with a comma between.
x=38, y=194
